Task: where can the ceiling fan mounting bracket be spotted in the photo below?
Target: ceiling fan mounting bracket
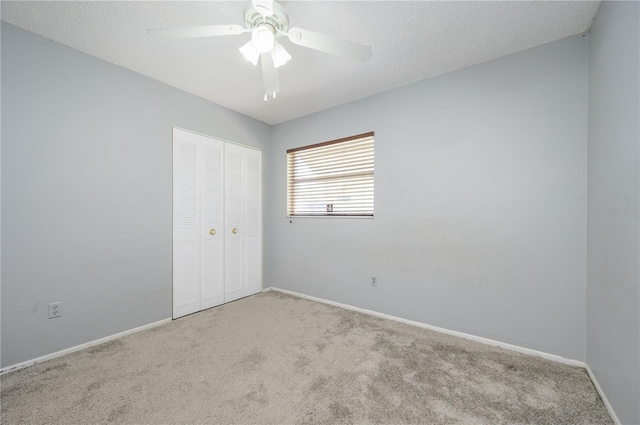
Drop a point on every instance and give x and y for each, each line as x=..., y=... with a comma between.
x=279, y=21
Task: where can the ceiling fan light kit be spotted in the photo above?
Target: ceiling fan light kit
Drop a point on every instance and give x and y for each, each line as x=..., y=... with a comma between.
x=262, y=38
x=280, y=55
x=267, y=21
x=250, y=53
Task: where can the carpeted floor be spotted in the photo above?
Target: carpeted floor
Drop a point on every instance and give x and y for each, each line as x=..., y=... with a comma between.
x=278, y=359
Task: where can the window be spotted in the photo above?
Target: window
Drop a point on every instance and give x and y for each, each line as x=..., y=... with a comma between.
x=331, y=178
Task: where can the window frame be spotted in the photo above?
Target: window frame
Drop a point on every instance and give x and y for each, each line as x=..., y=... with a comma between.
x=329, y=214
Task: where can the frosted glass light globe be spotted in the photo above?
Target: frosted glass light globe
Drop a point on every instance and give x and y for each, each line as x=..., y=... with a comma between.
x=262, y=38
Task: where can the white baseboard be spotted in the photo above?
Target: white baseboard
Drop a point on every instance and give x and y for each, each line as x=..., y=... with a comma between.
x=475, y=338
x=81, y=346
x=612, y=412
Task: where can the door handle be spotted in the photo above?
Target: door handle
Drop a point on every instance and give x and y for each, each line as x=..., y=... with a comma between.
x=212, y=232
x=234, y=231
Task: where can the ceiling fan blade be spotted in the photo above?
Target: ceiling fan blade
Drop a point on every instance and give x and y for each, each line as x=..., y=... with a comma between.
x=195, y=32
x=263, y=7
x=330, y=44
x=269, y=75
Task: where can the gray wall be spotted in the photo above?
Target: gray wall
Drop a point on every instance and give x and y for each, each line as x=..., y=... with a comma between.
x=480, y=195
x=613, y=275
x=86, y=193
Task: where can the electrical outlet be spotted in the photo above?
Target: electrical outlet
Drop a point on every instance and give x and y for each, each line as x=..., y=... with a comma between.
x=374, y=282
x=55, y=310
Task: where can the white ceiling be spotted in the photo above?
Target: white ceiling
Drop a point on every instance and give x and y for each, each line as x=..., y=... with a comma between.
x=411, y=40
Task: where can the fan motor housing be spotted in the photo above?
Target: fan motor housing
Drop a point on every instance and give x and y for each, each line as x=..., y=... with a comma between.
x=279, y=21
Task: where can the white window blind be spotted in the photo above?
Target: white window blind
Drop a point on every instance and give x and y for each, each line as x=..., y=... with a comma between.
x=331, y=178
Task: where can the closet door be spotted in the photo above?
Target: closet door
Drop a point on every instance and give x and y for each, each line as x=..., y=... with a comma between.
x=198, y=231
x=186, y=223
x=252, y=192
x=211, y=229
x=243, y=221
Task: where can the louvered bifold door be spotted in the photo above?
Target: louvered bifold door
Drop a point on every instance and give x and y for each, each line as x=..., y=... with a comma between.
x=211, y=228
x=186, y=223
x=243, y=221
x=217, y=222
x=252, y=197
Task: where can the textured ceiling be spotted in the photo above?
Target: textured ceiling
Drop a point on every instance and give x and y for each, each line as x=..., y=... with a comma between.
x=411, y=41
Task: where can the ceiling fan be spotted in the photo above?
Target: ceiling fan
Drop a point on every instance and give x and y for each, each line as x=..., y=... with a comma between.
x=267, y=21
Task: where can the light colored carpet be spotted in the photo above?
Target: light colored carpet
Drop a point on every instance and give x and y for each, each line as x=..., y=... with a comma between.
x=278, y=359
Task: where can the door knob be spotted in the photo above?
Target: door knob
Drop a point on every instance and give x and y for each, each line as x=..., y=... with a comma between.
x=234, y=231
x=212, y=232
